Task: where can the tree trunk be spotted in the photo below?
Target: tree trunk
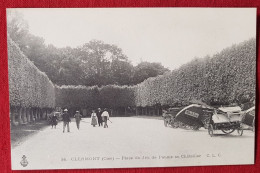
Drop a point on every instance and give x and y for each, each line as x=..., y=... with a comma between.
x=13, y=114
x=36, y=114
x=24, y=119
x=39, y=113
x=31, y=114
x=28, y=114
x=20, y=121
x=43, y=113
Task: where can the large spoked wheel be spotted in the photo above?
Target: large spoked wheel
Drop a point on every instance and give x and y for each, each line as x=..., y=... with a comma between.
x=210, y=130
x=240, y=132
x=165, y=122
x=227, y=131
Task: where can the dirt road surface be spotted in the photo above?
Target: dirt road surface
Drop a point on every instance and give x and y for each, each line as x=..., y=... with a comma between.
x=131, y=142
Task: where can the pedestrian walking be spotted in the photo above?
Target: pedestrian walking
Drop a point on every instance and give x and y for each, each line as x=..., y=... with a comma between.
x=94, y=119
x=100, y=122
x=66, y=120
x=105, y=117
x=77, y=117
x=54, y=120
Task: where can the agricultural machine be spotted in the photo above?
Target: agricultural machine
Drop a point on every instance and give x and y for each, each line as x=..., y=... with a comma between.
x=195, y=116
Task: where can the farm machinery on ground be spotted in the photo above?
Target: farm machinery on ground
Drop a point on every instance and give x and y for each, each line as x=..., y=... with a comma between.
x=225, y=119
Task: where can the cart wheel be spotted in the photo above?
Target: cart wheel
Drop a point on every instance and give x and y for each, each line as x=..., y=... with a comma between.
x=240, y=132
x=174, y=125
x=227, y=131
x=195, y=128
x=165, y=123
x=210, y=130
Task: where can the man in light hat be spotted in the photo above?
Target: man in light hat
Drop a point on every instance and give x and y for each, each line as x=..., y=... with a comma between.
x=105, y=117
x=66, y=120
x=77, y=117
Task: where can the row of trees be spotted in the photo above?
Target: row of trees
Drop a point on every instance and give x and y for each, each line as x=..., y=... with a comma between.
x=93, y=63
x=225, y=78
x=31, y=92
x=28, y=86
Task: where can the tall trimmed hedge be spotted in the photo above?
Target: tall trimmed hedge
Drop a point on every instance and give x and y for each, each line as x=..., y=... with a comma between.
x=110, y=96
x=28, y=86
x=227, y=77
x=77, y=96
x=117, y=96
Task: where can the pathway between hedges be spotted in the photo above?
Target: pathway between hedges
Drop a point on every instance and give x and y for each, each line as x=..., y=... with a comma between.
x=130, y=142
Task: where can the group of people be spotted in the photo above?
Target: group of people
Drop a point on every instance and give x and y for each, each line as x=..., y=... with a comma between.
x=98, y=117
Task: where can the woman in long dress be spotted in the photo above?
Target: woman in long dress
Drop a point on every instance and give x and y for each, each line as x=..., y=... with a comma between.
x=94, y=119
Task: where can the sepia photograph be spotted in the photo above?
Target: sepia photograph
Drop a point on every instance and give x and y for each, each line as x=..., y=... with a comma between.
x=93, y=88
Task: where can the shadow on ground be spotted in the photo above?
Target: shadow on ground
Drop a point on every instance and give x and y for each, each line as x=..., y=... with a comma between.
x=148, y=117
x=21, y=132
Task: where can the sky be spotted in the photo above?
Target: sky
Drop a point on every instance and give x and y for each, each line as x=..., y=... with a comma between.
x=171, y=36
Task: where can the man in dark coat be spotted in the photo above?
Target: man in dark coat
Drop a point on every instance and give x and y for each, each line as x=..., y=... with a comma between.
x=54, y=120
x=77, y=117
x=66, y=120
x=100, y=122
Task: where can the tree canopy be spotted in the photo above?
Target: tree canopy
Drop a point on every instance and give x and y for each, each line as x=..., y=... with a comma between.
x=93, y=63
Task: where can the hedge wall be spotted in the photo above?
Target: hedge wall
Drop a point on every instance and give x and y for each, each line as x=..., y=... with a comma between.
x=109, y=96
x=227, y=77
x=28, y=86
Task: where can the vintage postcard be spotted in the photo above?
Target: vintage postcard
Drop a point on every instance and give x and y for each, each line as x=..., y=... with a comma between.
x=95, y=88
